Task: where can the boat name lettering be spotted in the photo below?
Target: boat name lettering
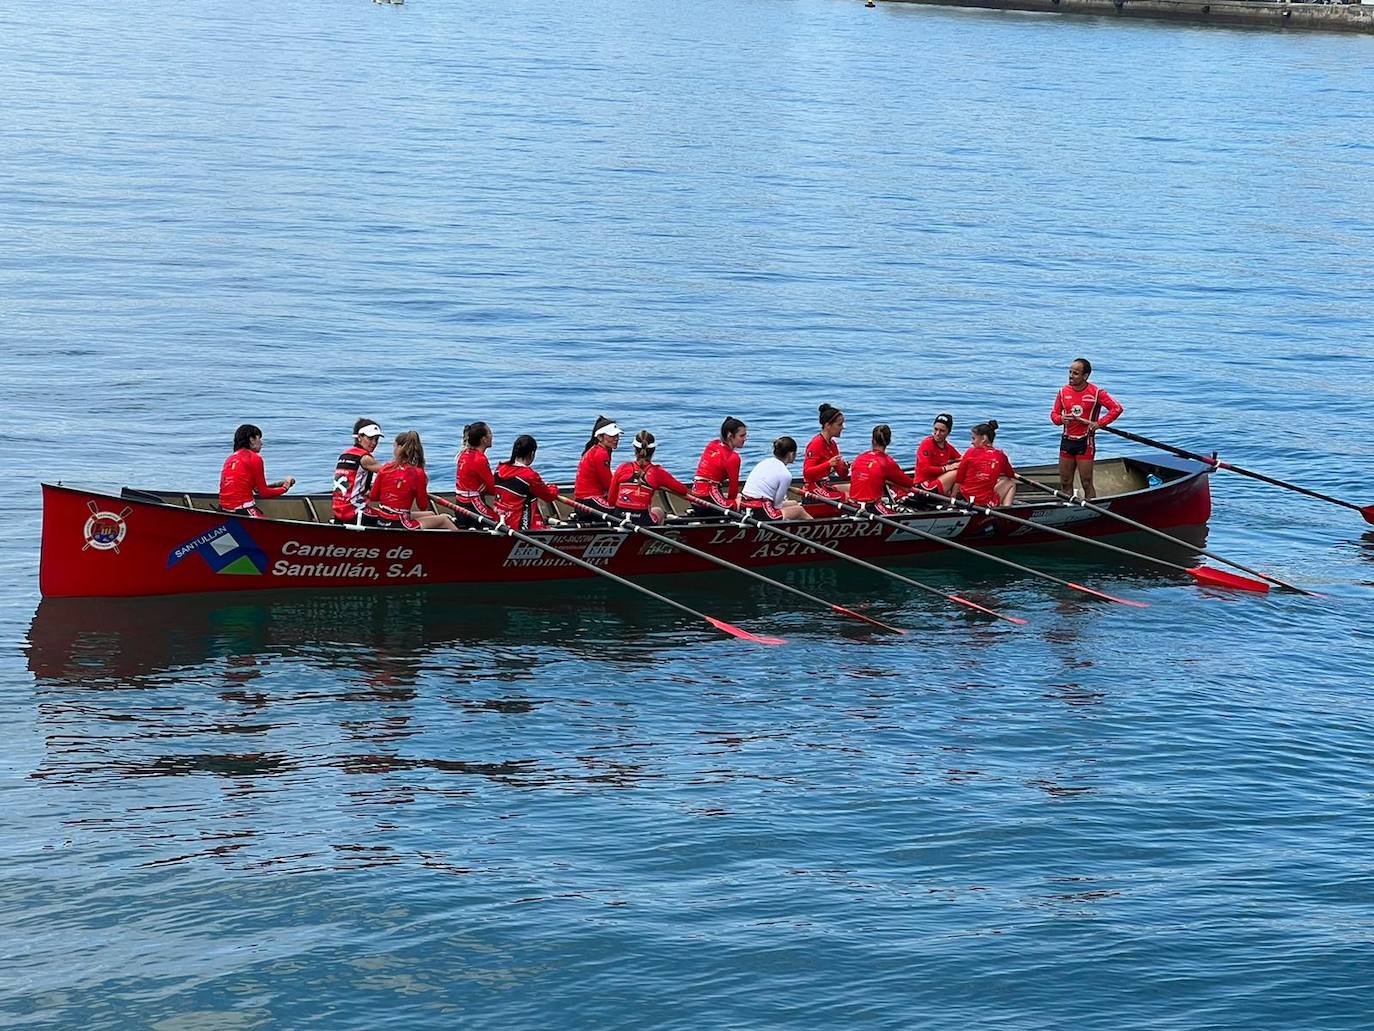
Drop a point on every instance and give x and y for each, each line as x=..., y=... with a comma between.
x=331, y=551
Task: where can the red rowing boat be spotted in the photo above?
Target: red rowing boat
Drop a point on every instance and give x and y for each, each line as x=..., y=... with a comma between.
x=148, y=542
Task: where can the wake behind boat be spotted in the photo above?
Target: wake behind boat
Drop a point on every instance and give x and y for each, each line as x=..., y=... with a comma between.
x=161, y=542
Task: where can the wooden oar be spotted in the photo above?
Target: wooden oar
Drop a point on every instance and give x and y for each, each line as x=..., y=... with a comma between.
x=667, y=541
x=501, y=527
x=1218, y=578
x=1365, y=510
x=744, y=520
x=859, y=513
x=1203, y=575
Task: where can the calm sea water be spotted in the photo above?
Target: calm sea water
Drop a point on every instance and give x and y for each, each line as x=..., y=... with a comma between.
x=567, y=808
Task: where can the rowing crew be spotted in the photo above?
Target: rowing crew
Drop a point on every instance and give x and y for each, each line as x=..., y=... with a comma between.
x=395, y=494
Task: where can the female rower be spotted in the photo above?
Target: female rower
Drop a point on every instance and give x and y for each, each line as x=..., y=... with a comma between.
x=519, y=489
x=764, y=494
x=243, y=479
x=593, y=484
x=937, y=460
x=985, y=475
x=634, y=483
x=875, y=473
x=822, y=464
x=353, y=472
x=399, y=498
x=717, y=476
x=473, y=482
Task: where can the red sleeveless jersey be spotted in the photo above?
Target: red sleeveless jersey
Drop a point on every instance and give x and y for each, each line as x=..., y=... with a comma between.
x=352, y=484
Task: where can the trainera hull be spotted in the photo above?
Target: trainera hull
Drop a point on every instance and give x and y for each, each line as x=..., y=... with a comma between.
x=140, y=543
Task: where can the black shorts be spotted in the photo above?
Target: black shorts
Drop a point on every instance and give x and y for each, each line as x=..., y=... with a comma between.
x=601, y=513
x=1073, y=446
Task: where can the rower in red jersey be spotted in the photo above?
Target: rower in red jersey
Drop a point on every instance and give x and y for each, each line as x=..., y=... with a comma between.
x=822, y=464
x=243, y=479
x=519, y=489
x=717, y=476
x=634, y=483
x=473, y=481
x=353, y=473
x=593, y=484
x=1081, y=407
x=985, y=475
x=937, y=460
x=875, y=475
x=399, y=498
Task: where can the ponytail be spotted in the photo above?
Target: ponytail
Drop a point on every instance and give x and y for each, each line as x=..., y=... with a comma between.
x=882, y=435
x=524, y=448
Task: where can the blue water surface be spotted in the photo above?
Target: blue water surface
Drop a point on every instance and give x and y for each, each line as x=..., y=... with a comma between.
x=565, y=807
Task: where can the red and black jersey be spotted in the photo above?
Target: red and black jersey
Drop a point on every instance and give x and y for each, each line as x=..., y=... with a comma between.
x=931, y=459
x=816, y=469
x=397, y=489
x=979, y=471
x=634, y=483
x=352, y=484
x=872, y=473
x=593, y=474
x=518, y=487
x=242, y=479
x=1085, y=403
x=472, y=477
x=717, y=475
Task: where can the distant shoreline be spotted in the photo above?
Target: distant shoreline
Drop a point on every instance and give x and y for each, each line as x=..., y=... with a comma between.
x=1262, y=13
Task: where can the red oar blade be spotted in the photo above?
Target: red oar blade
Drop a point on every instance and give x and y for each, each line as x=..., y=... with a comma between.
x=867, y=619
x=1368, y=513
x=1216, y=578
x=974, y=605
x=1109, y=597
x=743, y=635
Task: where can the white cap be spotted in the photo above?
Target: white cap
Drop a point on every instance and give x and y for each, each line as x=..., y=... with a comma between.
x=370, y=430
x=609, y=430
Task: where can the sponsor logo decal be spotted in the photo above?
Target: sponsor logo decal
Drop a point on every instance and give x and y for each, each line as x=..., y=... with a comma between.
x=228, y=548
x=105, y=530
x=597, y=548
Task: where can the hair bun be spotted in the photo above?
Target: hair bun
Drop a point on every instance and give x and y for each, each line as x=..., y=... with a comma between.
x=992, y=424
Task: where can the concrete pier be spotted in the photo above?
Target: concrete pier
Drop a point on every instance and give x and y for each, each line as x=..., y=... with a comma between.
x=1279, y=15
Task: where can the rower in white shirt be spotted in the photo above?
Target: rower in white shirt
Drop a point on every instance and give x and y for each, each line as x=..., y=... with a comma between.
x=764, y=494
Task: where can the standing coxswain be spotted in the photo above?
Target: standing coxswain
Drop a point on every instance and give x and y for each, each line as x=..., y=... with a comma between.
x=1081, y=408
x=243, y=479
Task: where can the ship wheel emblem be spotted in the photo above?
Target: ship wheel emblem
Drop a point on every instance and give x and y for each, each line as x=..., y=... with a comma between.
x=105, y=530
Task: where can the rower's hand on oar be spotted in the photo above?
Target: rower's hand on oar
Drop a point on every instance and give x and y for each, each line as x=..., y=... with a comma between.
x=287, y=483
